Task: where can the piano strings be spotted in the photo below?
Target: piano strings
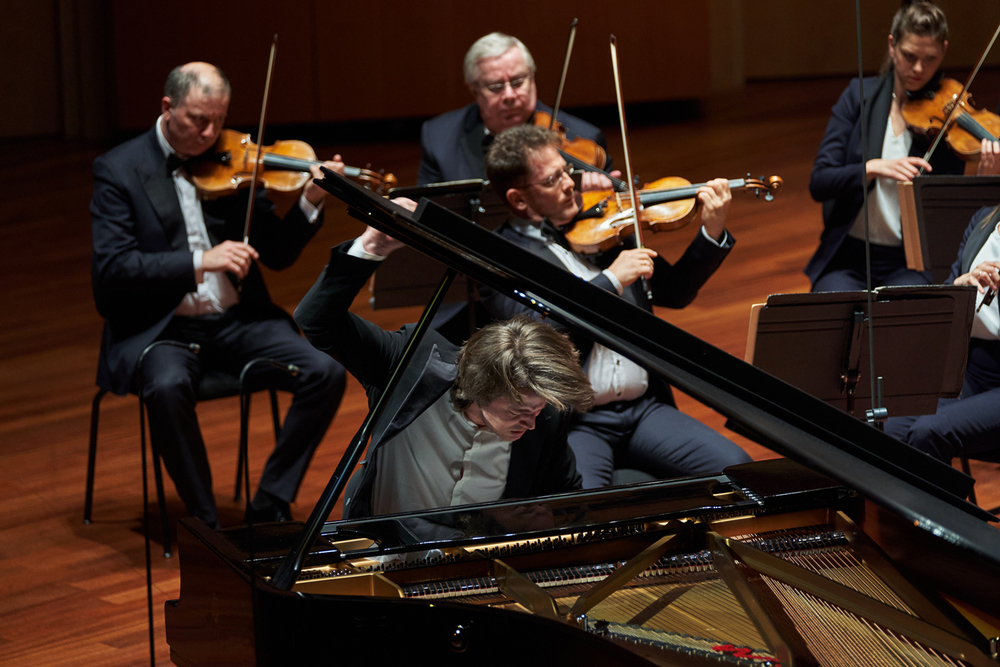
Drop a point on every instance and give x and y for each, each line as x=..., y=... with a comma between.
x=682, y=603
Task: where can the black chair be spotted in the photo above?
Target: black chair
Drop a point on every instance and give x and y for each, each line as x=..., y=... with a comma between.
x=214, y=384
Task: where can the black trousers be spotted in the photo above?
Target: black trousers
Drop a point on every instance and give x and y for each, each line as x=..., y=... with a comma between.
x=648, y=435
x=228, y=342
x=967, y=426
x=846, y=272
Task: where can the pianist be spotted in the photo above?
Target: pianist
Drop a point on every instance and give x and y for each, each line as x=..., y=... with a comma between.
x=473, y=424
x=635, y=424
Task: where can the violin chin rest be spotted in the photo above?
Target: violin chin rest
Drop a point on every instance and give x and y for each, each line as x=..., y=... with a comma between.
x=595, y=211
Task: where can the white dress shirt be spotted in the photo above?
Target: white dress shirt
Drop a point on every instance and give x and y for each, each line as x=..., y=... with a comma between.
x=613, y=377
x=884, y=225
x=987, y=322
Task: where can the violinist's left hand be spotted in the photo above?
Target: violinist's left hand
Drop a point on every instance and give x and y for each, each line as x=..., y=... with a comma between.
x=312, y=192
x=989, y=158
x=714, y=198
x=591, y=180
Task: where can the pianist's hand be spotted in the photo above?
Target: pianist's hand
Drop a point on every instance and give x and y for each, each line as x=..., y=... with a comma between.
x=379, y=243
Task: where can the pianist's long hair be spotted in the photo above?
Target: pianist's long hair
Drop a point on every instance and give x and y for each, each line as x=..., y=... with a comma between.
x=504, y=359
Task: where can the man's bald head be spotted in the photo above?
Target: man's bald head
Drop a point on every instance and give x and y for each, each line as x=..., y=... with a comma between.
x=205, y=77
x=193, y=108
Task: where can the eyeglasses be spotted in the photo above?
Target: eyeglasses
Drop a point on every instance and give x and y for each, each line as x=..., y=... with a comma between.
x=553, y=180
x=498, y=88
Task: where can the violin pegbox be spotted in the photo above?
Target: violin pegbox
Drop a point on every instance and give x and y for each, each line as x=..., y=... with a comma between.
x=766, y=184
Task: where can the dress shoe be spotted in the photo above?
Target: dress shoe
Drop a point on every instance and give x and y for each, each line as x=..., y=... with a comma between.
x=266, y=508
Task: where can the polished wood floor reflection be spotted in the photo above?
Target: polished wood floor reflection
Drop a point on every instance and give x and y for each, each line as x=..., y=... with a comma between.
x=73, y=594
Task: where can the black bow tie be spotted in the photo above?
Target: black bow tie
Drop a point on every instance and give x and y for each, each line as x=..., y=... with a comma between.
x=553, y=233
x=488, y=138
x=174, y=162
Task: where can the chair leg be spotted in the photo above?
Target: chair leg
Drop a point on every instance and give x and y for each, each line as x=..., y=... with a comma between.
x=241, y=456
x=241, y=459
x=162, y=502
x=275, y=415
x=968, y=471
x=95, y=413
x=158, y=477
x=145, y=531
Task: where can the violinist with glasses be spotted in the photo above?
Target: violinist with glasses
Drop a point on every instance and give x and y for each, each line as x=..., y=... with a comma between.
x=500, y=75
x=635, y=424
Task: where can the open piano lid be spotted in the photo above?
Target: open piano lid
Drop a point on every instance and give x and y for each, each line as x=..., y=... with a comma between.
x=774, y=413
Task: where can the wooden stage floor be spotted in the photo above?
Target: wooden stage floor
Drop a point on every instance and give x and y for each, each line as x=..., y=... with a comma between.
x=74, y=594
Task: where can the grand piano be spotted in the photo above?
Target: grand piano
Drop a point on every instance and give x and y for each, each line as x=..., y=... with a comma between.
x=850, y=550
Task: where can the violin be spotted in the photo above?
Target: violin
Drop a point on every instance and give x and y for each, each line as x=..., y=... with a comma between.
x=666, y=204
x=586, y=151
x=283, y=167
x=927, y=113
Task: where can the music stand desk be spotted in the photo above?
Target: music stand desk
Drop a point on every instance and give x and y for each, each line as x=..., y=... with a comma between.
x=818, y=342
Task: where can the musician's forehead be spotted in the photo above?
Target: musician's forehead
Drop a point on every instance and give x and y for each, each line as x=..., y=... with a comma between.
x=544, y=161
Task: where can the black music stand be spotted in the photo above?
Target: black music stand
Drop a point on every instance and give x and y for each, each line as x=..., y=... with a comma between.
x=941, y=209
x=818, y=342
x=409, y=278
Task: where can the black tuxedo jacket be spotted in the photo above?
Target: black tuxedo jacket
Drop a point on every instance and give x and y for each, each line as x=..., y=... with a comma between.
x=141, y=266
x=540, y=461
x=452, y=144
x=673, y=285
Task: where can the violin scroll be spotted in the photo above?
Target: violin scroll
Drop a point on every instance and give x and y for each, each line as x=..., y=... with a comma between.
x=768, y=186
x=378, y=182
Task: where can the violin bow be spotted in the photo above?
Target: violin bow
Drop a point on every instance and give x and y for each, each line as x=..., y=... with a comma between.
x=260, y=141
x=565, y=69
x=577, y=164
x=961, y=96
x=628, y=162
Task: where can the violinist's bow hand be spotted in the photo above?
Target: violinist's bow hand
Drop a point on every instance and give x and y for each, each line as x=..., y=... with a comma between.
x=987, y=299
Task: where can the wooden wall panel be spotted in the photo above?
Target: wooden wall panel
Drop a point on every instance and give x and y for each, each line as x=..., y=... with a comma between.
x=342, y=61
x=29, y=76
x=804, y=39
x=386, y=59
x=663, y=52
x=150, y=39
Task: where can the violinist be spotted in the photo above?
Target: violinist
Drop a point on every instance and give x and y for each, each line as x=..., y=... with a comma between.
x=969, y=426
x=918, y=40
x=635, y=424
x=167, y=266
x=500, y=75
